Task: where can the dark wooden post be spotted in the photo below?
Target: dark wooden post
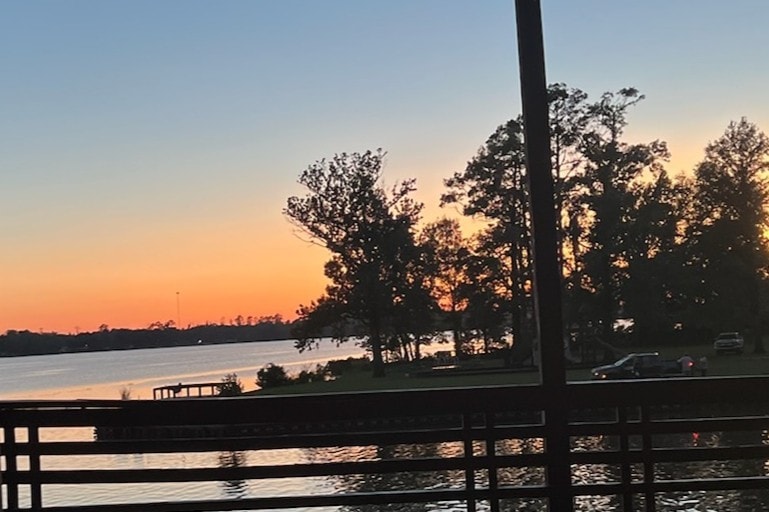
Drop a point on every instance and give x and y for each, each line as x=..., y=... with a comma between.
x=36, y=491
x=467, y=444
x=11, y=467
x=547, y=272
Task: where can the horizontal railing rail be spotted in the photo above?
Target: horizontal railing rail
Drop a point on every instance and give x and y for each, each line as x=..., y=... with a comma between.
x=476, y=446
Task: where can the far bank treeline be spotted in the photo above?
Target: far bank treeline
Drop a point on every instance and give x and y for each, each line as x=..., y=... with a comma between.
x=19, y=343
x=682, y=257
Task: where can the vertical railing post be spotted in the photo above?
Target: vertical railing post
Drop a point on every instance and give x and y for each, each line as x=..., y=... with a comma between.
x=647, y=448
x=11, y=468
x=626, y=476
x=36, y=492
x=491, y=454
x=2, y=455
x=547, y=271
x=2, y=451
x=467, y=445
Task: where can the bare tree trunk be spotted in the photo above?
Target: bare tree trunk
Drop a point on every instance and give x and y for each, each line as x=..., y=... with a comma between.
x=377, y=362
x=456, y=326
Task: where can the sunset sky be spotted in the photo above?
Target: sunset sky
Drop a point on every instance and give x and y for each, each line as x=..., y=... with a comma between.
x=148, y=148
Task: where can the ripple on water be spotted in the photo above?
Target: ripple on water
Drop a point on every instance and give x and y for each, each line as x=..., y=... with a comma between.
x=695, y=501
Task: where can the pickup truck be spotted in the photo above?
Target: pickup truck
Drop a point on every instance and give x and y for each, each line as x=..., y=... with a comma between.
x=729, y=342
x=638, y=366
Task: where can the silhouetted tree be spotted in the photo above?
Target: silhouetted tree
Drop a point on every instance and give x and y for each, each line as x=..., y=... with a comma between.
x=493, y=187
x=608, y=189
x=448, y=255
x=653, y=281
x=369, y=234
x=568, y=119
x=728, y=232
x=487, y=311
x=230, y=386
x=271, y=376
x=414, y=308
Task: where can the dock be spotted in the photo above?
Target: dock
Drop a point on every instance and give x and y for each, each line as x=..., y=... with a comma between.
x=196, y=390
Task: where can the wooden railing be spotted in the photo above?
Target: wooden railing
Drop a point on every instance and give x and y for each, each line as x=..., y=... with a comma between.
x=195, y=390
x=495, y=432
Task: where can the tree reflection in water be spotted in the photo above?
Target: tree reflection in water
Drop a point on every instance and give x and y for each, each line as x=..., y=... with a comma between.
x=417, y=480
x=745, y=500
x=233, y=459
x=399, y=481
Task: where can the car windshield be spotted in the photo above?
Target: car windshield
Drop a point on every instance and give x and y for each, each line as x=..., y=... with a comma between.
x=623, y=361
x=727, y=335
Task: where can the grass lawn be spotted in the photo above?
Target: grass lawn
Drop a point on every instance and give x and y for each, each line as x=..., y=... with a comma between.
x=404, y=376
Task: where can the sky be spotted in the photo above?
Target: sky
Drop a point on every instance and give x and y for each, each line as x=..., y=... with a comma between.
x=147, y=148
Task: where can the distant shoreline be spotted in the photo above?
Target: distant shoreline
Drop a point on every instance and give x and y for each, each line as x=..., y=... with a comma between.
x=85, y=350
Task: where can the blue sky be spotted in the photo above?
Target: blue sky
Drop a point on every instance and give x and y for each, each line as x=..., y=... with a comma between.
x=148, y=147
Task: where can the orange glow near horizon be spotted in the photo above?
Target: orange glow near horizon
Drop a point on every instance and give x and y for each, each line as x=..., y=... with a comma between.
x=77, y=289
x=248, y=263
x=137, y=302
x=130, y=278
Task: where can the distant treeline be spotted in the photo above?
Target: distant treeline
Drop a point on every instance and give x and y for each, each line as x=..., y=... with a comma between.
x=22, y=343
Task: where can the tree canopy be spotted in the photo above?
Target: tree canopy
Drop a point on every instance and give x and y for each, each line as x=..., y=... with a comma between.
x=677, y=256
x=369, y=233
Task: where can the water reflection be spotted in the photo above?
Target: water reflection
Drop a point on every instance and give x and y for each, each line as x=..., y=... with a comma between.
x=586, y=474
x=423, y=480
x=747, y=500
x=691, y=501
x=407, y=480
x=233, y=488
x=413, y=480
x=512, y=476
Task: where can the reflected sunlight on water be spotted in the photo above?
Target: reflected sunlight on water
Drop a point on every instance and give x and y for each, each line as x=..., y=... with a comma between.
x=101, y=375
x=689, y=501
x=694, y=501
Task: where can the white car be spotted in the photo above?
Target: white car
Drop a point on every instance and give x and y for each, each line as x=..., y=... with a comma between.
x=729, y=342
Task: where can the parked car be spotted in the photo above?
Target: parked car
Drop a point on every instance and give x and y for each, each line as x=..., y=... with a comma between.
x=729, y=342
x=638, y=366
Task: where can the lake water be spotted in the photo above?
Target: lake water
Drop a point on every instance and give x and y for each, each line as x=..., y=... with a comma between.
x=101, y=375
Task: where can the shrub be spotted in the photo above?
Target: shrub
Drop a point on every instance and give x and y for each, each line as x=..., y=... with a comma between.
x=304, y=377
x=230, y=386
x=125, y=393
x=337, y=367
x=271, y=376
